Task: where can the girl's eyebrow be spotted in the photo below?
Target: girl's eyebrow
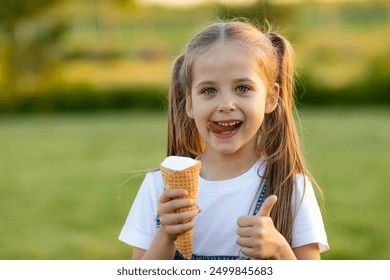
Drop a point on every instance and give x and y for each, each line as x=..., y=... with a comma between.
x=204, y=83
x=247, y=80
x=236, y=81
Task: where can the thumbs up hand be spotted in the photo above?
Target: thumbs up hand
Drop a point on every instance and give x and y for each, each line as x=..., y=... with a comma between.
x=266, y=208
x=258, y=236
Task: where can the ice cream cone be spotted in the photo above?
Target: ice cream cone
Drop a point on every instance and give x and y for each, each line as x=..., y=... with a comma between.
x=188, y=179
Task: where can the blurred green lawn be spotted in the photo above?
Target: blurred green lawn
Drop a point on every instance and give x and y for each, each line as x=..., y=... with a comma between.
x=64, y=193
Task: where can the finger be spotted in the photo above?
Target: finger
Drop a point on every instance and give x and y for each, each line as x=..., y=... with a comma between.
x=267, y=206
x=172, y=194
x=245, y=242
x=179, y=228
x=244, y=231
x=178, y=218
x=173, y=205
x=246, y=221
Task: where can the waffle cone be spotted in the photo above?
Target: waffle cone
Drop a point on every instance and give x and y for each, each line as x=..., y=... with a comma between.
x=186, y=179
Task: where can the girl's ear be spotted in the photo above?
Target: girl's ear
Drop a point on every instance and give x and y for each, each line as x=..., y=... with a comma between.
x=272, y=98
x=189, y=111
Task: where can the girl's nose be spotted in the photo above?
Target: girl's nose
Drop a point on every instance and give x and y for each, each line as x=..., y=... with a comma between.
x=227, y=103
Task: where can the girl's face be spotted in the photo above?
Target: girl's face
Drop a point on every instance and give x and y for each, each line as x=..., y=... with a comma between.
x=228, y=100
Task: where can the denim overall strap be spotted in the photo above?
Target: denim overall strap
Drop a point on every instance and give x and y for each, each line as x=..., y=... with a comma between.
x=261, y=199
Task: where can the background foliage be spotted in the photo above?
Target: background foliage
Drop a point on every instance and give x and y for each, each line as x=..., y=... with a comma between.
x=62, y=55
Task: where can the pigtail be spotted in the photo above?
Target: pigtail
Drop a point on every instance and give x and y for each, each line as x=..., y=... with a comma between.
x=283, y=122
x=279, y=141
x=183, y=137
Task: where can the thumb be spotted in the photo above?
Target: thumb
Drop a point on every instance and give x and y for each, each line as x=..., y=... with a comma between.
x=267, y=206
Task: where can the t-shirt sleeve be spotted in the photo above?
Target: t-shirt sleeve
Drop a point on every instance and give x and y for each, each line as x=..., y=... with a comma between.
x=308, y=226
x=141, y=223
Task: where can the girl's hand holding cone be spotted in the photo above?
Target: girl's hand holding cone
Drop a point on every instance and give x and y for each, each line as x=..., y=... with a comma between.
x=172, y=221
x=180, y=208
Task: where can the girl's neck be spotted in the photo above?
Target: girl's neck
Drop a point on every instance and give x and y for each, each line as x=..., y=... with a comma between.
x=216, y=167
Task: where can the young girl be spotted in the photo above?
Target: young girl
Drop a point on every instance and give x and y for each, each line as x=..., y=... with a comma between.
x=231, y=106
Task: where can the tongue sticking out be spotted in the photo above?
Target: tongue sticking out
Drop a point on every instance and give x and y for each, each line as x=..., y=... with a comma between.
x=220, y=129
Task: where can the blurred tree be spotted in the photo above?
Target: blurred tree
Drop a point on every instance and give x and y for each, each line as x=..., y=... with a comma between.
x=19, y=56
x=29, y=48
x=259, y=12
x=12, y=10
x=126, y=4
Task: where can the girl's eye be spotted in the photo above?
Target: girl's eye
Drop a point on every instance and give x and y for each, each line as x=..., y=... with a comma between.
x=208, y=91
x=242, y=88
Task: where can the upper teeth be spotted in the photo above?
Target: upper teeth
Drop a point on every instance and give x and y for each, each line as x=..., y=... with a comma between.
x=228, y=124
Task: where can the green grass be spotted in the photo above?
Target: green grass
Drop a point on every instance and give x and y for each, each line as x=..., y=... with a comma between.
x=61, y=176
x=348, y=152
x=61, y=179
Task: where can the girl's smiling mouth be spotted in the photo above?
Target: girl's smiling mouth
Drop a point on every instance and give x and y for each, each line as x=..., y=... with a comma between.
x=224, y=129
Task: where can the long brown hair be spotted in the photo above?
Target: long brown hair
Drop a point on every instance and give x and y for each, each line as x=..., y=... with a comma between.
x=278, y=142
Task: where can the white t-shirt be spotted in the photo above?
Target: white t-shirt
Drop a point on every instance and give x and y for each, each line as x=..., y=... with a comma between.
x=222, y=203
